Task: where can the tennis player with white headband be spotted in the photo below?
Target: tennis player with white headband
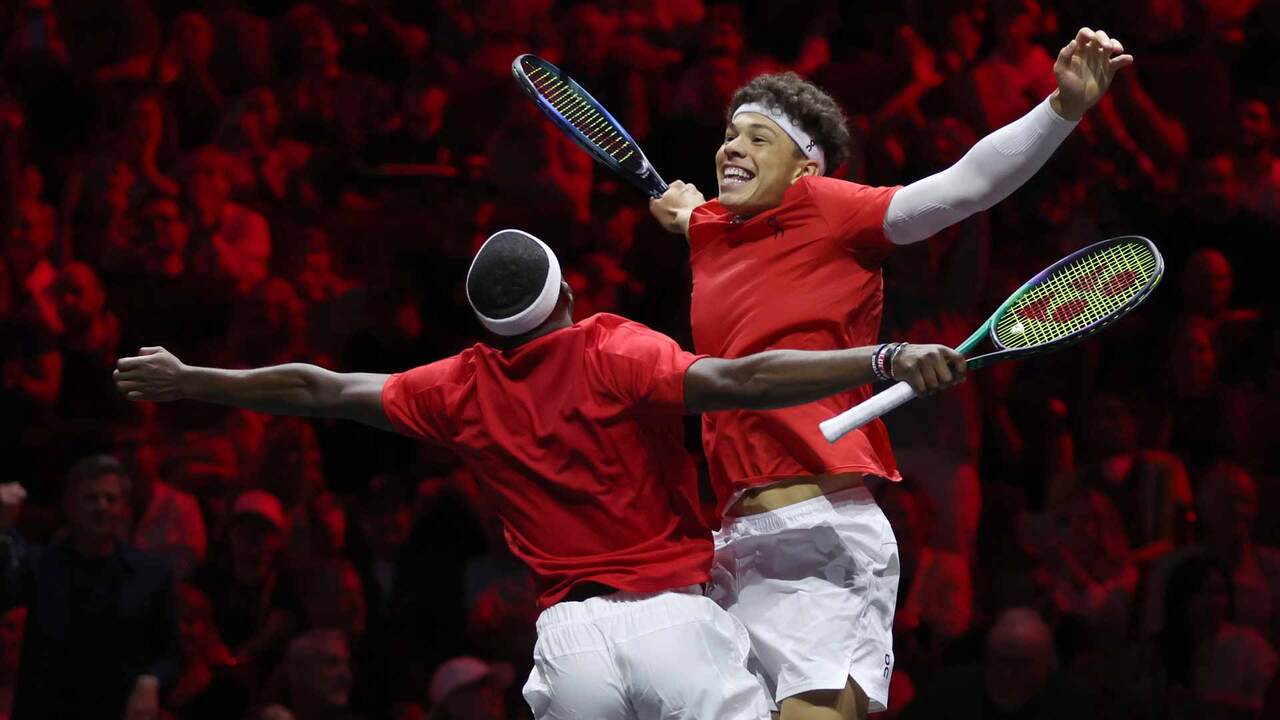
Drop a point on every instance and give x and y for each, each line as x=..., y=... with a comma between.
x=786, y=257
x=575, y=430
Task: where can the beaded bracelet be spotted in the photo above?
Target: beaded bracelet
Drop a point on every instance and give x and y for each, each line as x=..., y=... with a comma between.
x=878, y=364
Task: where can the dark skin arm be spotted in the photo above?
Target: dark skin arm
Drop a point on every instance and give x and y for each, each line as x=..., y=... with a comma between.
x=781, y=378
x=771, y=379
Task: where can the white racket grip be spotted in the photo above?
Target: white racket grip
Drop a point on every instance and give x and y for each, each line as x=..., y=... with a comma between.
x=866, y=411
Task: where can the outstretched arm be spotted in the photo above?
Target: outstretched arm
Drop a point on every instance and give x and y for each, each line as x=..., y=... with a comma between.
x=294, y=389
x=781, y=378
x=1002, y=161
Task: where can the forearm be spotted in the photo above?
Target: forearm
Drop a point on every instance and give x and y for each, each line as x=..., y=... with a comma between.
x=781, y=378
x=999, y=164
x=293, y=389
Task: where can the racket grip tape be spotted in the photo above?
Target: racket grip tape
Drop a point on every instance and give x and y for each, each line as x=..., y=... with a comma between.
x=864, y=412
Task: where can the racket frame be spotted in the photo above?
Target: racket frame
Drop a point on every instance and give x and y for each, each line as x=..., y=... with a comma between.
x=646, y=178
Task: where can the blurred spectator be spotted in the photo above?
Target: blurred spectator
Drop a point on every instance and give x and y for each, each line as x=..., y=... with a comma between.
x=1207, y=664
x=261, y=163
x=255, y=602
x=1227, y=507
x=268, y=325
x=1256, y=160
x=318, y=670
x=413, y=135
x=229, y=242
x=1093, y=575
x=334, y=598
x=208, y=687
x=89, y=342
x=103, y=630
x=168, y=522
x=1148, y=488
x=147, y=141
x=1019, y=74
x=1018, y=678
x=936, y=604
x=28, y=249
x=470, y=688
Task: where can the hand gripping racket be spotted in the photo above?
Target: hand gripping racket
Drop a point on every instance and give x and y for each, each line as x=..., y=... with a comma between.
x=578, y=114
x=1070, y=300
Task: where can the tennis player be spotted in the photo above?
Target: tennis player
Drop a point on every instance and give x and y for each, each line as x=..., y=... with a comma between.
x=575, y=433
x=788, y=258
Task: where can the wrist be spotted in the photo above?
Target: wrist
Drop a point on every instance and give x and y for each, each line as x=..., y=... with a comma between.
x=1070, y=114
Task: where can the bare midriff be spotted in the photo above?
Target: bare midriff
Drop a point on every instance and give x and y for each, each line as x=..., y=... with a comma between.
x=789, y=491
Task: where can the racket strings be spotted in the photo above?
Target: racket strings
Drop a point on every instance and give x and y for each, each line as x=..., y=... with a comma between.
x=579, y=112
x=1077, y=296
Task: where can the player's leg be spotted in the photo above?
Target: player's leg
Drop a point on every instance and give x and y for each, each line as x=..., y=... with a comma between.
x=815, y=584
x=848, y=704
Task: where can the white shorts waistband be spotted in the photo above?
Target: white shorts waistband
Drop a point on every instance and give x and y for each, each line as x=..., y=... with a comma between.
x=796, y=515
x=570, y=612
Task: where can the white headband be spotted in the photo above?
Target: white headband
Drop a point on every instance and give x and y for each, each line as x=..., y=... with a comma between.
x=807, y=144
x=537, y=312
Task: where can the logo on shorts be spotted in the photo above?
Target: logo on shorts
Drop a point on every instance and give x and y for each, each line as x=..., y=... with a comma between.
x=888, y=665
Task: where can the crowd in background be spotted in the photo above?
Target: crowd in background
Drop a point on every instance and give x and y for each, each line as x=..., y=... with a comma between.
x=1087, y=534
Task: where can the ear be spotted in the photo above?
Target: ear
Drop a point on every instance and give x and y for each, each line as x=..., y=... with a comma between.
x=805, y=167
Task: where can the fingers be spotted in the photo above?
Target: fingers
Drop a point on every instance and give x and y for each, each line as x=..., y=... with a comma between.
x=929, y=374
x=957, y=362
x=1120, y=61
x=151, y=350
x=1067, y=52
x=130, y=363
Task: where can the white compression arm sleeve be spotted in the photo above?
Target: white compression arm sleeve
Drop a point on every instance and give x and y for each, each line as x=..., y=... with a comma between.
x=999, y=164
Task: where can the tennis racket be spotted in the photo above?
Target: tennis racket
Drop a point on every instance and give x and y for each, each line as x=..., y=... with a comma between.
x=1079, y=295
x=578, y=114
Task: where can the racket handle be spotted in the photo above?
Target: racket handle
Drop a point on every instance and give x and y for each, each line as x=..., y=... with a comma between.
x=866, y=411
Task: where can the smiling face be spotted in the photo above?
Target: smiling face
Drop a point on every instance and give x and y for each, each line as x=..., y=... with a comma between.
x=757, y=163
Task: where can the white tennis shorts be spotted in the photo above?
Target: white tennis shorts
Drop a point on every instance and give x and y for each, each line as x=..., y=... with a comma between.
x=815, y=584
x=643, y=656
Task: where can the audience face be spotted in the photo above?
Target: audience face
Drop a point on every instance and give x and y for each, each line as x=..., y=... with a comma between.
x=1219, y=187
x=1019, y=659
x=206, y=182
x=255, y=547
x=1253, y=127
x=1194, y=361
x=424, y=112
x=80, y=296
x=30, y=237
x=336, y=600
x=1112, y=430
x=194, y=37
x=1227, y=507
x=320, y=670
x=481, y=700
x=96, y=508
x=319, y=45
x=163, y=237
x=145, y=122
x=1207, y=283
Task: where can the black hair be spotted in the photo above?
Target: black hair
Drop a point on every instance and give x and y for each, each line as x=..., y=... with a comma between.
x=94, y=467
x=806, y=104
x=507, y=275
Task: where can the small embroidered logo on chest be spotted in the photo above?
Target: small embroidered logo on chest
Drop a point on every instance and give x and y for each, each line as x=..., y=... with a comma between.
x=776, y=227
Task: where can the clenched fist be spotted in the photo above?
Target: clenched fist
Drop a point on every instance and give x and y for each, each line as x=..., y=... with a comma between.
x=673, y=209
x=929, y=368
x=153, y=374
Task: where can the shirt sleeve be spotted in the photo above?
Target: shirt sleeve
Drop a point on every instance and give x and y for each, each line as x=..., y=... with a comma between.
x=417, y=402
x=645, y=368
x=855, y=213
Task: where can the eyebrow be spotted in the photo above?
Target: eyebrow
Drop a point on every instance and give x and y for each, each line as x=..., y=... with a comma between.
x=756, y=126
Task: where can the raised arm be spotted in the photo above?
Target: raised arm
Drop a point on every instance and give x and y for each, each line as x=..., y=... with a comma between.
x=781, y=378
x=1002, y=161
x=293, y=389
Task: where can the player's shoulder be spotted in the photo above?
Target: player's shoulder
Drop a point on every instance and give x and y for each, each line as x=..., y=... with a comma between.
x=618, y=335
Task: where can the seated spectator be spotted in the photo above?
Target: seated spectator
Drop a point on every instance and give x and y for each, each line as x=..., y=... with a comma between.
x=1088, y=556
x=147, y=142
x=28, y=246
x=182, y=69
x=209, y=686
x=1019, y=74
x=413, y=135
x=268, y=325
x=260, y=162
x=89, y=343
x=1227, y=507
x=229, y=242
x=318, y=672
x=334, y=598
x=326, y=105
x=467, y=688
x=1148, y=488
x=168, y=522
x=1256, y=159
x=103, y=633
x=1206, y=663
x=1018, y=678
x=937, y=592
x=255, y=602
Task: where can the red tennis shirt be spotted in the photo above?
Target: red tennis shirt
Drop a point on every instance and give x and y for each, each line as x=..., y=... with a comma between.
x=576, y=438
x=804, y=275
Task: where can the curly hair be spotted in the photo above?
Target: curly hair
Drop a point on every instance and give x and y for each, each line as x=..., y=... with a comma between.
x=806, y=104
